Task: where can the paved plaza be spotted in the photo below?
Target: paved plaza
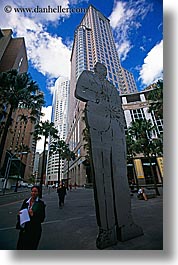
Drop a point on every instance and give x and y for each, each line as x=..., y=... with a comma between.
x=74, y=227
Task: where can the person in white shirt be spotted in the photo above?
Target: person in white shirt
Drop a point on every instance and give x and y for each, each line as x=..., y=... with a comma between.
x=30, y=231
x=141, y=194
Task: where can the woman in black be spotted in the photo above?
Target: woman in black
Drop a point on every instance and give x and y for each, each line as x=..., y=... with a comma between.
x=30, y=231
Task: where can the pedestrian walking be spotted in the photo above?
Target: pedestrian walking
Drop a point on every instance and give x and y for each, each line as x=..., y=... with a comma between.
x=33, y=211
x=61, y=194
x=49, y=189
x=75, y=185
x=70, y=186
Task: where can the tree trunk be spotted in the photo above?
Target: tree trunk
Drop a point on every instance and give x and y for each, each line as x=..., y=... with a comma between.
x=59, y=169
x=3, y=139
x=19, y=175
x=42, y=168
x=68, y=173
x=8, y=166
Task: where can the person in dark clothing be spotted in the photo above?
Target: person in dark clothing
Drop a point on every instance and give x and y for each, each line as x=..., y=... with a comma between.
x=30, y=231
x=61, y=194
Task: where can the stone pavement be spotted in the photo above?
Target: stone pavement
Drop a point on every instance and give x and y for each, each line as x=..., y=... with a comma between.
x=74, y=227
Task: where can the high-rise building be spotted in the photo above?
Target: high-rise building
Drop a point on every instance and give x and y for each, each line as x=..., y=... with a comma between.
x=13, y=55
x=20, y=139
x=93, y=42
x=12, y=52
x=127, y=81
x=59, y=117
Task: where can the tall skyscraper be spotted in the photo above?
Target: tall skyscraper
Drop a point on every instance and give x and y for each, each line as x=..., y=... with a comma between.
x=127, y=81
x=12, y=52
x=93, y=42
x=59, y=117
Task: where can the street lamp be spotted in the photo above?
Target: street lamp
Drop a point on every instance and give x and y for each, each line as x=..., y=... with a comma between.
x=8, y=166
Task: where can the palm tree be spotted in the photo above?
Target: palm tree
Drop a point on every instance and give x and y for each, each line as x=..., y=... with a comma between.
x=18, y=90
x=155, y=98
x=156, y=148
x=45, y=129
x=23, y=148
x=142, y=131
x=68, y=155
x=3, y=114
x=131, y=146
x=58, y=146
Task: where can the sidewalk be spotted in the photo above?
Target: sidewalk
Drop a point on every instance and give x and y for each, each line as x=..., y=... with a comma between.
x=74, y=227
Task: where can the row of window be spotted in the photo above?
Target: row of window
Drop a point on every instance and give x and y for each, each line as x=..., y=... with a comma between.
x=138, y=114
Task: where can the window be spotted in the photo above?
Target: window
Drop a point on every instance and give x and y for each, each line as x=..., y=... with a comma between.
x=20, y=63
x=137, y=114
x=158, y=123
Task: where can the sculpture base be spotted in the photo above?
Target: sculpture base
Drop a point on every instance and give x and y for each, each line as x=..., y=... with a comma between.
x=106, y=238
x=129, y=231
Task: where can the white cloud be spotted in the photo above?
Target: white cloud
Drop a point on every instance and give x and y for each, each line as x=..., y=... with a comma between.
x=123, y=49
x=117, y=14
x=47, y=117
x=51, y=85
x=45, y=51
x=152, y=69
x=123, y=19
x=47, y=113
x=142, y=48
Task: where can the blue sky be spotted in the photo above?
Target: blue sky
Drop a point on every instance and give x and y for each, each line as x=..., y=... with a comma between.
x=137, y=28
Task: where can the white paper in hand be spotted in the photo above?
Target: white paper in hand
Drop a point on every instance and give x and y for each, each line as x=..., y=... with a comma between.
x=24, y=216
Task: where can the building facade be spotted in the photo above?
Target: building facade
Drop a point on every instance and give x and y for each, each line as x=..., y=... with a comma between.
x=127, y=81
x=19, y=139
x=12, y=52
x=13, y=55
x=93, y=42
x=136, y=106
x=59, y=117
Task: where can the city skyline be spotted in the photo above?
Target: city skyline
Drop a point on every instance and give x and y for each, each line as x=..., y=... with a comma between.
x=136, y=25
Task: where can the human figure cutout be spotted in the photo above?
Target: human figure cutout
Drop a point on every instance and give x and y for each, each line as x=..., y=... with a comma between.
x=105, y=122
